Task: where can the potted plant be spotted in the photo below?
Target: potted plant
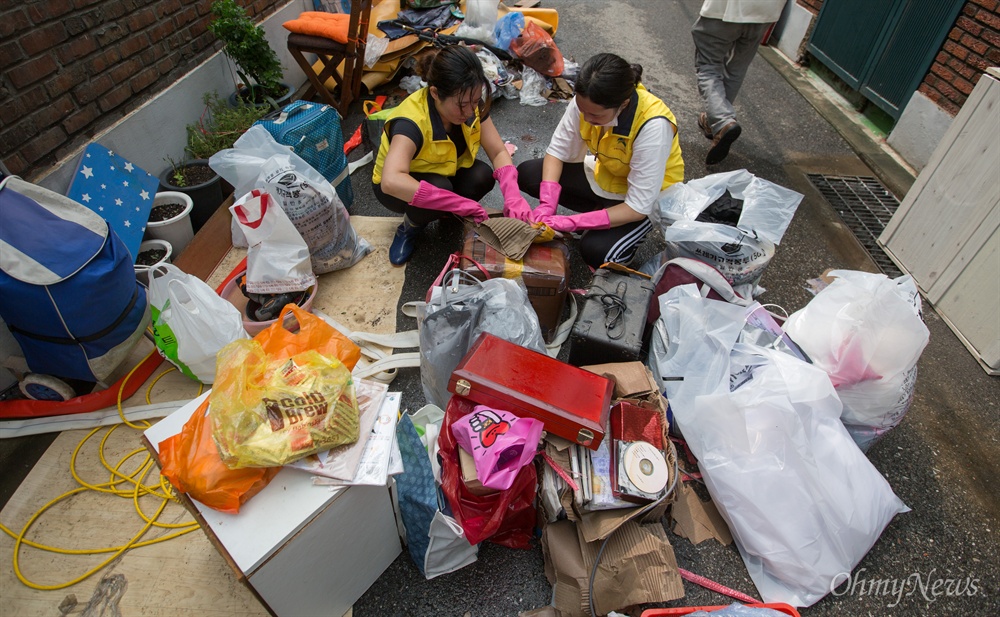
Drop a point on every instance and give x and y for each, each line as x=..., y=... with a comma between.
x=152, y=253
x=170, y=219
x=217, y=129
x=256, y=63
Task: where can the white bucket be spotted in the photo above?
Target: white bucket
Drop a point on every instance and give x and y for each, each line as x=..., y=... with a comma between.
x=178, y=231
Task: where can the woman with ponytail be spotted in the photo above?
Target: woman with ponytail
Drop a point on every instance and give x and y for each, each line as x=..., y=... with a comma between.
x=612, y=154
x=426, y=166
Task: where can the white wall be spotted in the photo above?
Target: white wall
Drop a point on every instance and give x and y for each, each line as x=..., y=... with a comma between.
x=791, y=29
x=155, y=132
x=919, y=130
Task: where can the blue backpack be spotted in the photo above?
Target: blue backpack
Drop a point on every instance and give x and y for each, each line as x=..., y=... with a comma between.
x=314, y=133
x=68, y=291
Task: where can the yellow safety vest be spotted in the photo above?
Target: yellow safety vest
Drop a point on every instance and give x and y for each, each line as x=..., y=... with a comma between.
x=613, y=148
x=437, y=154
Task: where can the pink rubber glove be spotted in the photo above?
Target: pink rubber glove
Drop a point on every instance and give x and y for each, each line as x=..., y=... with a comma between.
x=548, y=199
x=598, y=219
x=514, y=204
x=431, y=197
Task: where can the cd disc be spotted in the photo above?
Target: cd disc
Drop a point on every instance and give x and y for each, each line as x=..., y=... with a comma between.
x=645, y=467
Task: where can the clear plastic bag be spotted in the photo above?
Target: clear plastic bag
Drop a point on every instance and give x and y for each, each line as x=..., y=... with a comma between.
x=270, y=411
x=309, y=200
x=865, y=331
x=766, y=430
x=457, y=313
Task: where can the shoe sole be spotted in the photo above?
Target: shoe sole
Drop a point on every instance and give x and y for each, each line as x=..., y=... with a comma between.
x=721, y=150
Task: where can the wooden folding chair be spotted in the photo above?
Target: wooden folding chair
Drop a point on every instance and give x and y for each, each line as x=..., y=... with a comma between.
x=331, y=54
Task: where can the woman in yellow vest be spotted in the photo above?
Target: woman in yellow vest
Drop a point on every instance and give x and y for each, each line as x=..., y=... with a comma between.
x=612, y=154
x=426, y=165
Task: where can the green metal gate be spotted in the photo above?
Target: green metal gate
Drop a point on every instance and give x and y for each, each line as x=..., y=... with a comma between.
x=882, y=48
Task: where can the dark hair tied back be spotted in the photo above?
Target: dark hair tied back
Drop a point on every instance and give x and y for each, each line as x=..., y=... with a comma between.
x=454, y=70
x=607, y=80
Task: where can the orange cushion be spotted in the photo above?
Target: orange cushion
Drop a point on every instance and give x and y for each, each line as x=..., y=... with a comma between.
x=316, y=23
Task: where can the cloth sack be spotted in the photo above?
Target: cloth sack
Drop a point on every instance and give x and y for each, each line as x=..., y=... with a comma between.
x=191, y=323
x=434, y=539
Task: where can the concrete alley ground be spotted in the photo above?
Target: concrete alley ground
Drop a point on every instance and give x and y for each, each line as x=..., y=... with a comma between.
x=942, y=460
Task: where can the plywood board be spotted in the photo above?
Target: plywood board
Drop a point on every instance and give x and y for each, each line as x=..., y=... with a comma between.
x=179, y=577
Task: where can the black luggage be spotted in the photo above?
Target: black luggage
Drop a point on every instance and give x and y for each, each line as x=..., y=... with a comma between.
x=612, y=319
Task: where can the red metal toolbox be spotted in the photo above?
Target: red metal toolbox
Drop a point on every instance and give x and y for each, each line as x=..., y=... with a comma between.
x=571, y=402
x=544, y=270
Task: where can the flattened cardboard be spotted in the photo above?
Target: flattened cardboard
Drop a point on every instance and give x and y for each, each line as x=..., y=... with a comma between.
x=637, y=566
x=698, y=520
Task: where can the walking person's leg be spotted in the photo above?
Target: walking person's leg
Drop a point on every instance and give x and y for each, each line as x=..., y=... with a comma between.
x=712, y=42
x=744, y=49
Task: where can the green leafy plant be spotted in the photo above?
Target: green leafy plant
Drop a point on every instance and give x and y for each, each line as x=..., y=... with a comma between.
x=257, y=64
x=220, y=126
x=177, y=174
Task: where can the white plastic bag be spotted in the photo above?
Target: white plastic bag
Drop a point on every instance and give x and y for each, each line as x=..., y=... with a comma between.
x=459, y=311
x=480, y=20
x=191, y=322
x=277, y=257
x=803, y=502
x=865, y=331
x=741, y=252
x=309, y=200
x=532, y=84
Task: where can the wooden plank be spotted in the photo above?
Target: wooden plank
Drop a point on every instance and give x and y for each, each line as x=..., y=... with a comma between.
x=954, y=194
x=184, y=576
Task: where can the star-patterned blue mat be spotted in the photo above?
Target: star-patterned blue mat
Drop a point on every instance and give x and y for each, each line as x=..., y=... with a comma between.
x=121, y=193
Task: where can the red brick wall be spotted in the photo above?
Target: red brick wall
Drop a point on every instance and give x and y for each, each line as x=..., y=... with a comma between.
x=972, y=46
x=71, y=68
x=812, y=5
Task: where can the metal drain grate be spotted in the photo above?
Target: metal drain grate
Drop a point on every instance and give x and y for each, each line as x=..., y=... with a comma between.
x=865, y=207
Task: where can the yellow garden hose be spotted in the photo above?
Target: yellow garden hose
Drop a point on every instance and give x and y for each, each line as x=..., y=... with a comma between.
x=121, y=484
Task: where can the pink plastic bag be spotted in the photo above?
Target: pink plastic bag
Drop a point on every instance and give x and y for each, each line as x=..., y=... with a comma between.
x=500, y=443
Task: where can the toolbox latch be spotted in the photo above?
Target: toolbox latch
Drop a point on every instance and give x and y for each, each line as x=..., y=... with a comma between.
x=585, y=437
x=463, y=387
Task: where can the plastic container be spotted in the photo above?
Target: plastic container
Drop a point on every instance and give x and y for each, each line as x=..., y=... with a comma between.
x=687, y=610
x=178, y=230
x=231, y=292
x=142, y=271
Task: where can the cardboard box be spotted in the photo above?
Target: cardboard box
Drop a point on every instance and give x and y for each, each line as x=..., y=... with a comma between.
x=638, y=563
x=469, y=475
x=544, y=270
x=301, y=551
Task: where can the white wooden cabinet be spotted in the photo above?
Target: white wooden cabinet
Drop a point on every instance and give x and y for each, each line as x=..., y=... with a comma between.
x=302, y=549
x=946, y=233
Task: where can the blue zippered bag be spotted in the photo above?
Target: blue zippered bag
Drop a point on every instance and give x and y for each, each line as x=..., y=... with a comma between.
x=314, y=133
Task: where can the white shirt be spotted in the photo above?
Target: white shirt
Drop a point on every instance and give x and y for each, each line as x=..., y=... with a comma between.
x=650, y=152
x=743, y=11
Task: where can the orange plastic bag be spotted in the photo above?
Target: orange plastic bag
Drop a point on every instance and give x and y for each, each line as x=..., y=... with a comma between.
x=313, y=334
x=191, y=461
x=537, y=50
